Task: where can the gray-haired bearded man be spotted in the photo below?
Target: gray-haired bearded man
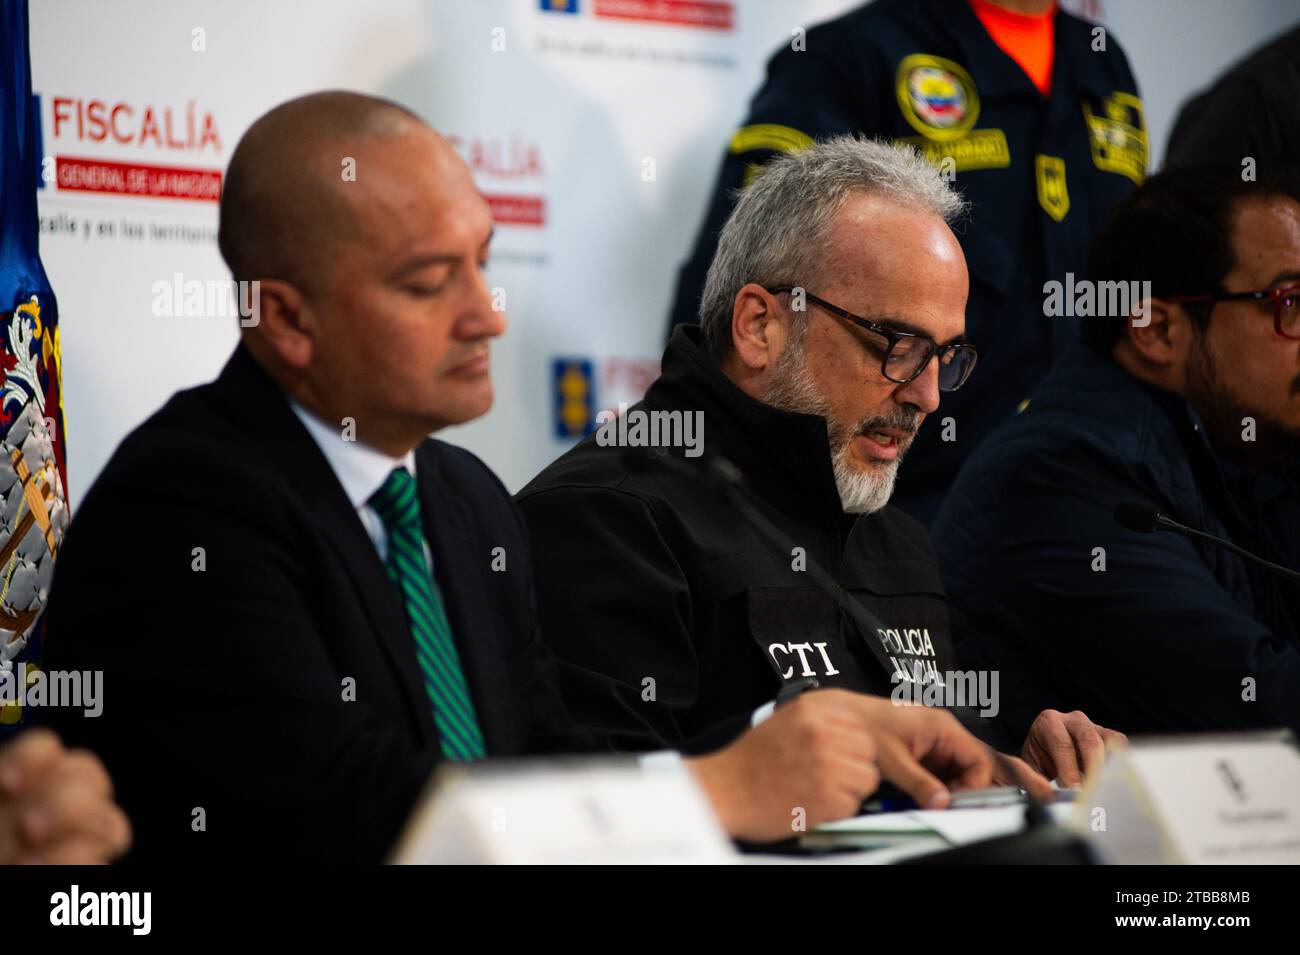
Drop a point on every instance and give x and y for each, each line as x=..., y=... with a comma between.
x=832, y=319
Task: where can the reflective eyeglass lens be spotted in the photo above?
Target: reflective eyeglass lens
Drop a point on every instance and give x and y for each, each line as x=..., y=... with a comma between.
x=905, y=358
x=955, y=367
x=1290, y=312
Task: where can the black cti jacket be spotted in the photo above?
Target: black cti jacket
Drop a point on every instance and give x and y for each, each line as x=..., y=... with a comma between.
x=274, y=685
x=1041, y=172
x=1147, y=633
x=669, y=613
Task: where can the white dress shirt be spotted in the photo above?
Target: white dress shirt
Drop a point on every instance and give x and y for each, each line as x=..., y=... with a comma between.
x=361, y=470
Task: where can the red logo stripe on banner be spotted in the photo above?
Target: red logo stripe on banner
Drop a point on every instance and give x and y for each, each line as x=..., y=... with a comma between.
x=709, y=14
x=517, y=210
x=134, y=179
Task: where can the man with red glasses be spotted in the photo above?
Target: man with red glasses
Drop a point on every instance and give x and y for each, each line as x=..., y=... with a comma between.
x=832, y=321
x=1192, y=409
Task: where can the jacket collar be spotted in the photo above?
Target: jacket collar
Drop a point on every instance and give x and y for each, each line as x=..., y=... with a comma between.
x=360, y=469
x=1244, y=489
x=996, y=74
x=1086, y=379
x=781, y=453
x=275, y=435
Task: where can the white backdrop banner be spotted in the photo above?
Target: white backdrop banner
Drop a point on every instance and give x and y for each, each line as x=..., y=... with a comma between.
x=594, y=127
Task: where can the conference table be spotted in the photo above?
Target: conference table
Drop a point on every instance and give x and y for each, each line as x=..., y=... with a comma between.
x=888, y=838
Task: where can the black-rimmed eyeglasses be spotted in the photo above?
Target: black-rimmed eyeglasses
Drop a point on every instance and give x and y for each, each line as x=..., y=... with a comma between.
x=906, y=354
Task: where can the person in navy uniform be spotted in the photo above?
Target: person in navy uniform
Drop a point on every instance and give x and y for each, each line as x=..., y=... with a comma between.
x=1035, y=115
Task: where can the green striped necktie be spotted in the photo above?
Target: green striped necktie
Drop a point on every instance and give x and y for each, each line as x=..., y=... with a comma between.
x=398, y=506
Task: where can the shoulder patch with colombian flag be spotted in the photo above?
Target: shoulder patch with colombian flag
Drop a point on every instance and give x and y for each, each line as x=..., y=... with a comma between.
x=939, y=100
x=937, y=96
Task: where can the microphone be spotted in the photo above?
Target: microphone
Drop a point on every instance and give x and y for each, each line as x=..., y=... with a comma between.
x=1135, y=516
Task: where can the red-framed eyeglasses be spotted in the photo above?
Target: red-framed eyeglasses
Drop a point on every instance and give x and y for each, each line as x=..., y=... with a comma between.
x=1286, y=305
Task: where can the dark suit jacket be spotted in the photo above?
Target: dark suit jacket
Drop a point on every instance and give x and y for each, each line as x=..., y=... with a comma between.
x=220, y=578
x=1161, y=638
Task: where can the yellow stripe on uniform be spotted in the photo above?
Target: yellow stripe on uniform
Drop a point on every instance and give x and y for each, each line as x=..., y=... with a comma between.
x=783, y=139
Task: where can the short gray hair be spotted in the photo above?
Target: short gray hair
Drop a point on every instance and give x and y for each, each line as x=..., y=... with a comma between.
x=778, y=230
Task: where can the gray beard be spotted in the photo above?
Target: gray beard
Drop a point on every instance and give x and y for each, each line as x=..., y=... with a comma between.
x=862, y=491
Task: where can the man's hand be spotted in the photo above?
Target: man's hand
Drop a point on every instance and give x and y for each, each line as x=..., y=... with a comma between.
x=926, y=752
x=56, y=806
x=826, y=751
x=1067, y=746
x=811, y=761
x=1011, y=771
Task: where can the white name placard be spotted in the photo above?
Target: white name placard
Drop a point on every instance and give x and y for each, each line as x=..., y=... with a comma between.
x=592, y=810
x=1221, y=799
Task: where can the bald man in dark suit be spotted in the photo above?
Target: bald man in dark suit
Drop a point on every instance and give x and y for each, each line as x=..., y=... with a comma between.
x=302, y=603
